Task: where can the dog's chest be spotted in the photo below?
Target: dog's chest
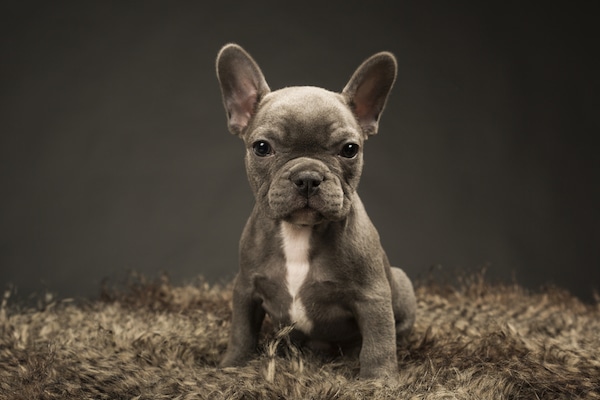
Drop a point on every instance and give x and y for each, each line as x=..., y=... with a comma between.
x=296, y=247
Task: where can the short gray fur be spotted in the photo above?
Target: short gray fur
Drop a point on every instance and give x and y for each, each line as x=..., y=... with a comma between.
x=304, y=161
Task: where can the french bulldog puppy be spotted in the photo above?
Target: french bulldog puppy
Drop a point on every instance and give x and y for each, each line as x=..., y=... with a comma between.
x=309, y=255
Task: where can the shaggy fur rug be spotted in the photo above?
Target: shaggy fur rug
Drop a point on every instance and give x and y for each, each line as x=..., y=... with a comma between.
x=155, y=340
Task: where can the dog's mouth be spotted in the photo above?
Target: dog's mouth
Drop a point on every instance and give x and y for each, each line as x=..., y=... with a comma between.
x=307, y=193
x=305, y=216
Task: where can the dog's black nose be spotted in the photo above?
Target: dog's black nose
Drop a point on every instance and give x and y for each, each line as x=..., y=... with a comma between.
x=307, y=182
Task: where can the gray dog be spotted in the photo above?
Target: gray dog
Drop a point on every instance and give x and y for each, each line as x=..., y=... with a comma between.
x=309, y=255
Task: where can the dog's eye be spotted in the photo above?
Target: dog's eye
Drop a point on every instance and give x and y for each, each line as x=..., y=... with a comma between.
x=349, y=150
x=262, y=148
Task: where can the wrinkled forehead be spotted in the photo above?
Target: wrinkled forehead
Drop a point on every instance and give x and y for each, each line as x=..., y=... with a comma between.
x=307, y=111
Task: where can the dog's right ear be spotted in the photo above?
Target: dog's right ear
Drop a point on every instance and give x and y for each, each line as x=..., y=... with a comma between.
x=368, y=89
x=243, y=85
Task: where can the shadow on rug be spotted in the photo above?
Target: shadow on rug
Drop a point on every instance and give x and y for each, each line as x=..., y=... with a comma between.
x=155, y=340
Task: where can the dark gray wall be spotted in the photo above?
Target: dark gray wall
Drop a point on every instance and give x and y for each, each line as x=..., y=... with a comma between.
x=115, y=156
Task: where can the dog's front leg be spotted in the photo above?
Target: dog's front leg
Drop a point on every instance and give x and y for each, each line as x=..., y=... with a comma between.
x=375, y=320
x=245, y=326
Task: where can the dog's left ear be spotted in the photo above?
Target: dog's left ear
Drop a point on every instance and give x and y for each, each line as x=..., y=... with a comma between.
x=243, y=85
x=368, y=89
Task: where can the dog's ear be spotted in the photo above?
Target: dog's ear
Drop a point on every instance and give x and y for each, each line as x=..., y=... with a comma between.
x=242, y=86
x=368, y=89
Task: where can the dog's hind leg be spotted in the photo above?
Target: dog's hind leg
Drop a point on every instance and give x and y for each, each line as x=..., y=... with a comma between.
x=404, y=302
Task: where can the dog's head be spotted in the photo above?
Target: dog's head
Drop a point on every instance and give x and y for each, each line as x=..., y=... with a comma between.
x=304, y=144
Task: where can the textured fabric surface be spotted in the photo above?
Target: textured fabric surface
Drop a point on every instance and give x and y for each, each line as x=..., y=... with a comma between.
x=155, y=340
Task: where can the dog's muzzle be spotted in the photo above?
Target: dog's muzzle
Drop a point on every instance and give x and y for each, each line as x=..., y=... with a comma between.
x=306, y=192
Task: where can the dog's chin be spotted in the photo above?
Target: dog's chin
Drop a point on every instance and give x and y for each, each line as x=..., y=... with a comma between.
x=305, y=216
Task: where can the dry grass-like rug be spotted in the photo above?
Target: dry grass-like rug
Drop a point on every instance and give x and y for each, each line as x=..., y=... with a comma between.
x=155, y=340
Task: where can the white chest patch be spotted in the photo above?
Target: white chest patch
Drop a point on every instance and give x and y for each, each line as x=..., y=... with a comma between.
x=296, y=240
